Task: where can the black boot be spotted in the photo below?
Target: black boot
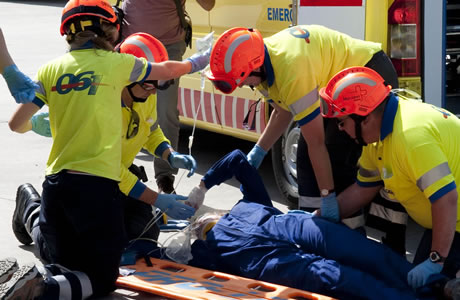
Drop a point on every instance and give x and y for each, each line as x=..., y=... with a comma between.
x=27, y=199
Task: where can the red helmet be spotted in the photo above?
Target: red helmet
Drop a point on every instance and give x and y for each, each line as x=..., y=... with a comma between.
x=236, y=53
x=355, y=90
x=96, y=8
x=144, y=45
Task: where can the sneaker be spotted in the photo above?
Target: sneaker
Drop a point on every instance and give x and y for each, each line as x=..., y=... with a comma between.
x=26, y=196
x=452, y=289
x=165, y=185
x=26, y=283
x=8, y=266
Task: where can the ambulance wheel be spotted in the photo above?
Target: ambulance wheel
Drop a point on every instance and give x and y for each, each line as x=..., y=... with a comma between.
x=284, y=161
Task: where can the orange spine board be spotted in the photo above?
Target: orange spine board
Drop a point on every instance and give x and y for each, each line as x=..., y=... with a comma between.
x=184, y=282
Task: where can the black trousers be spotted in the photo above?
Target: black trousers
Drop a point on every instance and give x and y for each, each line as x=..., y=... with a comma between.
x=137, y=216
x=81, y=222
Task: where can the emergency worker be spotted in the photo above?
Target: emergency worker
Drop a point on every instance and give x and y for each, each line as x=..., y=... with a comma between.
x=138, y=107
x=80, y=204
x=140, y=122
x=411, y=150
x=21, y=87
x=288, y=68
x=165, y=20
x=256, y=240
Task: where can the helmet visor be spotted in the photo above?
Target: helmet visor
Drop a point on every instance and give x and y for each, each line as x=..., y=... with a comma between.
x=224, y=86
x=326, y=107
x=223, y=83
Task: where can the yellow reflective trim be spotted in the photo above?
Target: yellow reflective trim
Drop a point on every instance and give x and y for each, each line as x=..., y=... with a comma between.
x=72, y=28
x=85, y=23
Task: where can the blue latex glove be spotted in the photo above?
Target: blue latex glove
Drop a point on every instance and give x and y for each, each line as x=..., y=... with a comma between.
x=330, y=208
x=419, y=275
x=256, y=156
x=182, y=161
x=41, y=124
x=199, y=60
x=22, y=88
x=169, y=204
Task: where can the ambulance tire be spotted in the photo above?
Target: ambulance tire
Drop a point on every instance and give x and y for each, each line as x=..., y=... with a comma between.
x=284, y=157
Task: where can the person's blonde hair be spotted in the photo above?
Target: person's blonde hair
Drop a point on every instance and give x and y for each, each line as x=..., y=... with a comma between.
x=204, y=223
x=105, y=42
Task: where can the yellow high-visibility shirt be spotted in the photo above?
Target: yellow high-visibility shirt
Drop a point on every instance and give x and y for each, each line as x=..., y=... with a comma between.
x=82, y=89
x=300, y=60
x=149, y=136
x=417, y=157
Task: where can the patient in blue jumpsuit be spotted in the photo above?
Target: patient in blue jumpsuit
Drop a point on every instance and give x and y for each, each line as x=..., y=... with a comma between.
x=256, y=240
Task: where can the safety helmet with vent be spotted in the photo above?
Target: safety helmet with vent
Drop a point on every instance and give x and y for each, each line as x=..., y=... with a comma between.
x=355, y=90
x=145, y=45
x=236, y=53
x=97, y=9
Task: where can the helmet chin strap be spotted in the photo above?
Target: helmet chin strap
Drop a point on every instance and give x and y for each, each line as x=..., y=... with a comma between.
x=358, y=130
x=261, y=74
x=135, y=99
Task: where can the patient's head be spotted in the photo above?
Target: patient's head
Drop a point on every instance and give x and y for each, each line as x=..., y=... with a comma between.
x=204, y=223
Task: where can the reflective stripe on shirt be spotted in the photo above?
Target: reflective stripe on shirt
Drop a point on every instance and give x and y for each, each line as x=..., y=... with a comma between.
x=303, y=103
x=137, y=70
x=368, y=173
x=433, y=175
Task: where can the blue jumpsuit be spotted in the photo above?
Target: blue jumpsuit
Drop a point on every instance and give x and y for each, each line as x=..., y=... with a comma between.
x=256, y=240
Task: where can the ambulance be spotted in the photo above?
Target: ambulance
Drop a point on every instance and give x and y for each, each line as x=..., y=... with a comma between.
x=422, y=37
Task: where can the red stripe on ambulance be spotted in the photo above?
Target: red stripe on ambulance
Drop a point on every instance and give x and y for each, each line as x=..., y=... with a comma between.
x=218, y=104
x=226, y=107
x=225, y=110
